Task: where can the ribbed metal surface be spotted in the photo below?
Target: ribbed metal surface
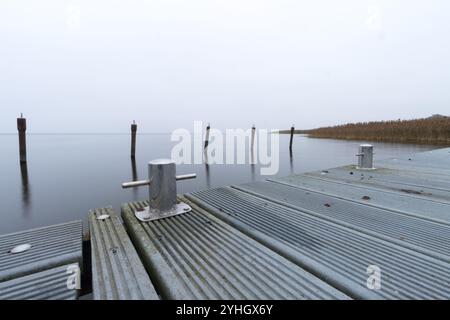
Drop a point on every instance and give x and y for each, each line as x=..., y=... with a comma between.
x=197, y=256
x=434, y=162
x=51, y=247
x=427, y=237
x=415, y=187
x=419, y=168
x=46, y=285
x=393, y=176
x=407, y=165
x=337, y=254
x=401, y=203
x=117, y=271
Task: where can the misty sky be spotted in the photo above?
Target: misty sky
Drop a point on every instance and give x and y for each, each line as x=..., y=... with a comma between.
x=95, y=65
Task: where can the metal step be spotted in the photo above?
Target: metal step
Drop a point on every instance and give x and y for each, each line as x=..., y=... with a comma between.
x=49, y=247
x=117, y=271
x=46, y=285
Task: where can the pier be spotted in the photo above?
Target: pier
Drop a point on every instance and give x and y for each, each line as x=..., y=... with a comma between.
x=369, y=230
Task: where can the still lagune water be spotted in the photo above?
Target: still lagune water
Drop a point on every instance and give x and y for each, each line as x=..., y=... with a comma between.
x=68, y=174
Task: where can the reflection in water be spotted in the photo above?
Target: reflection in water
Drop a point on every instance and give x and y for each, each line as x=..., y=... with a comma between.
x=291, y=162
x=208, y=177
x=134, y=176
x=252, y=166
x=133, y=170
x=26, y=196
x=252, y=163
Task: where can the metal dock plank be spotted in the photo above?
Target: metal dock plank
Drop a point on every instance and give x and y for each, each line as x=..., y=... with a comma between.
x=379, y=198
x=45, y=285
x=395, y=176
x=337, y=254
x=117, y=272
x=421, y=192
x=388, y=177
x=52, y=246
x=420, y=167
x=427, y=237
x=197, y=256
x=434, y=161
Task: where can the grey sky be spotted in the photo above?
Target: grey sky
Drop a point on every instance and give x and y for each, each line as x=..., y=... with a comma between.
x=95, y=65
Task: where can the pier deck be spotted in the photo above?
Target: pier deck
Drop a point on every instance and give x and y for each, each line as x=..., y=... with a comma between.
x=317, y=235
x=339, y=222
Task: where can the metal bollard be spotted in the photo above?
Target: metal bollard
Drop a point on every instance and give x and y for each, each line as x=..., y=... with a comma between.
x=365, y=157
x=162, y=191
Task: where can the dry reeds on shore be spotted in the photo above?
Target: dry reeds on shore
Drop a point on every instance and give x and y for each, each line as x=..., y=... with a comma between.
x=432, y=130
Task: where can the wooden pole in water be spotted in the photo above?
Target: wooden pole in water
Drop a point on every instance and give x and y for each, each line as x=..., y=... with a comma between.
x=133, y=139
x=207, y=135
x=292, y=137
x=22, y=128
x=253, y=136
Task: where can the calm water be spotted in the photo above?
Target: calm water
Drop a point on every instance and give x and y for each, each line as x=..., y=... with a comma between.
x=67, y=175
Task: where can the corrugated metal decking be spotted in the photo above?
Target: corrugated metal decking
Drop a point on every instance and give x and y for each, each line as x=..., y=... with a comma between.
x=384, y=199
x=418, y=186
x=435, y=162
x=335, y=253
x=52, y=246
x=117, y=271
x=46, y=285
x=430, y=238
x=197, y=256
x=391, y=176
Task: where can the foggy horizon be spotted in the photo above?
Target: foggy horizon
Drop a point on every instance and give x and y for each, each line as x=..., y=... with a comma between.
x=95, y=66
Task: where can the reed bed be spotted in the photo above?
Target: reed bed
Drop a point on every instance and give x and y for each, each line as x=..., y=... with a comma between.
x=432, y=130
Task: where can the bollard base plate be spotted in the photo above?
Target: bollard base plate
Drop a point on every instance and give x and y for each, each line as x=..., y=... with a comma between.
x=148, y=214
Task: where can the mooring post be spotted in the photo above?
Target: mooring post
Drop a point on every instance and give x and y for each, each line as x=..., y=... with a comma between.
x=252, y=147
x=162, y=184
x=365, y=156
x=133, y=139
x=292, y=137
x=253, y=137
x=22, y=128
x=207, y=135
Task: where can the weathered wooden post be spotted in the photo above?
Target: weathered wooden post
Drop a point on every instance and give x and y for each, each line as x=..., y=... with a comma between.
x=207, y=135
x=133, y=139
x=252, y=147
x=22, y=128
x=253, y=137
x=292, y=137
